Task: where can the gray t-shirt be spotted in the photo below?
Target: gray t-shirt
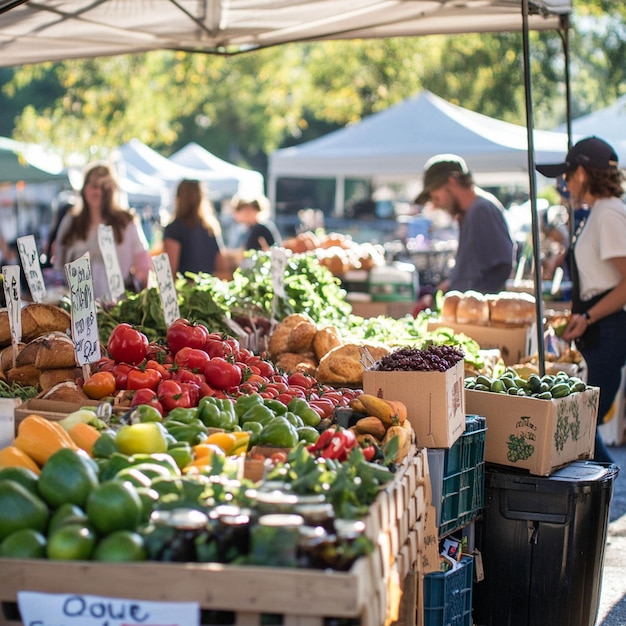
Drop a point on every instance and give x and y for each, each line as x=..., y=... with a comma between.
x=484, y=258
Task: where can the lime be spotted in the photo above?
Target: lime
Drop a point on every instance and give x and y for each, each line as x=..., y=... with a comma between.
x=67, y=513
x=19, y=508
x=114, y=505
x=22, y=475
x=24, y=544
x=68, y=476
x=119, y=546
x=71, y=542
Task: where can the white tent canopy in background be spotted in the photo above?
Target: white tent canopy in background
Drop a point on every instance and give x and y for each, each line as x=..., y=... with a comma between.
x=145, y=167
x=608, y=123
x=393, y=145
x=228, y=179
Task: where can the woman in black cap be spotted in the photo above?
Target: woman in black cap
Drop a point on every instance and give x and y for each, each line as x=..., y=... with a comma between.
x=598, y=320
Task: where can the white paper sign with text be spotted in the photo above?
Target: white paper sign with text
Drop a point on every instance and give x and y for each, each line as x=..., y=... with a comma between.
x=13, y=295
x=115, y=280
x=56, y=609
x=84, y=315
x=167, y=289
x=29, y=256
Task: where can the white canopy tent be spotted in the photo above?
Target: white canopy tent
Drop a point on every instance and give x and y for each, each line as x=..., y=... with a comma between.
x=228, y=179
x=54, y=30
x=393, y=145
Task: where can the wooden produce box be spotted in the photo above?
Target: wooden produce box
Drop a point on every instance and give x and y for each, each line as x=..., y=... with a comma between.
x=372, y=592
x=435, y=401
x=537, y=435
x=54, y=410
x=514, y=343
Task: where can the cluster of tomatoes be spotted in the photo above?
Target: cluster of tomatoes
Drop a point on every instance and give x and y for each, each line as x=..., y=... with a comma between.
x=195, y=363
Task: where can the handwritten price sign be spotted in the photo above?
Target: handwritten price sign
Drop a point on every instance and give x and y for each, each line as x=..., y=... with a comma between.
x=50, y=609
x=167, y=290
x=84, y=316
x=32, y=268
x=115, y=280
x=12, y=295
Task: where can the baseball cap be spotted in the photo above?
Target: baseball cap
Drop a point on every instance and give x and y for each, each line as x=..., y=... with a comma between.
x=437, y=170
x=590, y=152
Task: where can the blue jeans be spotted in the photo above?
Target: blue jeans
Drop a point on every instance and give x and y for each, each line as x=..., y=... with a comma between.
x=605, y=360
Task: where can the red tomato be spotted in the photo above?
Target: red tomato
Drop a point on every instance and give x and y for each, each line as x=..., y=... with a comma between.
x=146, y=396
x=285, y=398
x=324, y=408
x=127, y=345
x=221, y=345
x=143, y=378
x=159, y=353
x=120, y=371
x=155, y=365
x=183, y=333
x=171, y=395
x=192, y=390
x=183, y=375
x=280, y=387
x=105, y=364
x=221, y=374
x=296, y=392
x=301, y=380
x=191, y=358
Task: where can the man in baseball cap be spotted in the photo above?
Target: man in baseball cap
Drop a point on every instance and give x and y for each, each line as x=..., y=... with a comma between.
x=590, y=152
x=485, y=252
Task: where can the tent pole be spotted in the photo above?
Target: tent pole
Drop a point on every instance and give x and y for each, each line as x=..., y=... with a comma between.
x=340, y=191
x=533, y=190
x=565, y=25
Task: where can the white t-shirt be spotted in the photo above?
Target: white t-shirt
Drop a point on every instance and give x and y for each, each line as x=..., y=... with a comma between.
x=602, y=238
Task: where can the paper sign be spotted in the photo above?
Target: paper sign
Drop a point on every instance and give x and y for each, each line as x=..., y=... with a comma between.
x=32, y=268
x=115, y=280
x=278, y=263
x=56, y=609
x=12, y=295
x=167, y=289
x=84, y=316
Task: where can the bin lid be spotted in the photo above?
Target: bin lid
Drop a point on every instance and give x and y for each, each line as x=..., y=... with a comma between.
x=585, y=471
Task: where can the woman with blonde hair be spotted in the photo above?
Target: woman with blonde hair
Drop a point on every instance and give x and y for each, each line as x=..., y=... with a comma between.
x=97, y=204
x=193, y=239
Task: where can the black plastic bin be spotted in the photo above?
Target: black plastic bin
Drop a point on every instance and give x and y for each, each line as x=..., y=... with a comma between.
x=542, y=543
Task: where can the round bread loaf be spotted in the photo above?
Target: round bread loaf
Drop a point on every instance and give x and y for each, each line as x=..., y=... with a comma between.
x=512, y=309
x=325, y=340
x=473, y=308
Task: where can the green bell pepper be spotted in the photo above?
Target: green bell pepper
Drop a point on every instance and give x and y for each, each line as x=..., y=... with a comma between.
x=280, y=433
x=116, y=462
x=294, y=419
x=182, y=454
x=105, y=445
x=186, y=416
x=217, y=413
x=279, y=408
x=245, y=402
x=258, y=413
x=193, y=433
x=301, y=407
x=147, y=413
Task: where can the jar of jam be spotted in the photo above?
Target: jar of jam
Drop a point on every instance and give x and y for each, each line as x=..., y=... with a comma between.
x=173, y=534
x=231, y=532
x=316, y=548
x=274, y=540
x=317, y=514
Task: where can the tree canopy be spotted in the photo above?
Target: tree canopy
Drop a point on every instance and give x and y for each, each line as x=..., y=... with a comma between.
x=244, y=107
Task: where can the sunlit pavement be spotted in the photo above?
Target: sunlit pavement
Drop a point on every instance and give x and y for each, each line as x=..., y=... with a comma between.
x=612, y=611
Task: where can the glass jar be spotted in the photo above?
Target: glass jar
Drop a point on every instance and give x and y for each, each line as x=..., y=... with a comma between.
x=274, y=540
x=173, y=534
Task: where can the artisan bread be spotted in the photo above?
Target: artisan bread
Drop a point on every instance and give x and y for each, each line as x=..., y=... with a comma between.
x=512, y=309
x=342, y=365
x=448, y=308
x=325, y=340
x=67, y=391
x=300, y=339
x=294, y=362
x=37, y=319
x=23, y=375
x=473, y=308
x=279, y=339
x=50, y=378
x=6, y=356
x=56, y=350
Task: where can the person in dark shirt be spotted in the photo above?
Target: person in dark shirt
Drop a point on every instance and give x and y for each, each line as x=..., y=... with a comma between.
x=193, y=239
x=485, y=253
x=259, y=232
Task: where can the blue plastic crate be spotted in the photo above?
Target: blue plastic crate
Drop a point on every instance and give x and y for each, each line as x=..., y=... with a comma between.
x=448, y=596
x=457, y=477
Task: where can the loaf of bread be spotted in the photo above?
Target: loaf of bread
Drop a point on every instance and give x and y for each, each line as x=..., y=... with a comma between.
x=342, y=365
x=325, y=340
x=294, y=362
x=23, y=375
x=67, y=391
x=281, y=341
x=37, y=319
x=448, y=308
x=50, y=378
x=473, y=308
x=512, y=309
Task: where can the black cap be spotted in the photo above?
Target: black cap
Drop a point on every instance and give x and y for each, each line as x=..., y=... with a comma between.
x=590, y=152
x=437, y=171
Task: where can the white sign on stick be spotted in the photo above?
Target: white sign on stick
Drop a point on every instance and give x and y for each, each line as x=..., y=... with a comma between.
x=84, y=315
x=29, y=256
x=167, y=289
x=56, y=609
x=115, y=280
x=12, y=295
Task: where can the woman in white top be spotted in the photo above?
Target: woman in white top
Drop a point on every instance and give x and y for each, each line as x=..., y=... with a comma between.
x=598, y=321
x=78, y=232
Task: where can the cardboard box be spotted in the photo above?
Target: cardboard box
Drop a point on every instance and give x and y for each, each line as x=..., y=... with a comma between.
x=435, y=401
x=514, y=343
x=537, y=435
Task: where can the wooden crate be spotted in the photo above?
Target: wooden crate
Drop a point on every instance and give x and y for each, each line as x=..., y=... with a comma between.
x=373, y=593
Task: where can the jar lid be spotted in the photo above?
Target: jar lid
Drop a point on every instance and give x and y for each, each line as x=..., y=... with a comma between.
x=282, y=520
x=183, y=518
